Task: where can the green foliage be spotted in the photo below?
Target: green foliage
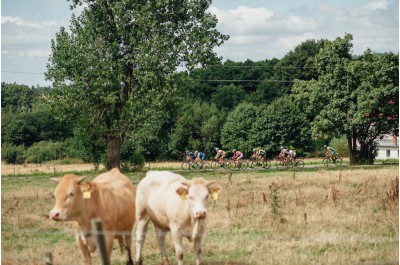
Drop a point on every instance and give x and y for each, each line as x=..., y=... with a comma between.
x=355, y=97
x=13, y=154
x=114, y=63
x=44, y=151
x=135, y=163
x=340, y=145
x=19, y=129
x=282, y=123
x=228, y=96
x=17, y=98
x=236, y=131
x=197, y=128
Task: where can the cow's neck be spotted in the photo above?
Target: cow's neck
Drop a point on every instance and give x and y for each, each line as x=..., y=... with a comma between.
x=84, y=219
x=199, y=226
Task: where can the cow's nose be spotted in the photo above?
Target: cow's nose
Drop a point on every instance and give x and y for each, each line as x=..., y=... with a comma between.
x=55, y=215
x=201, y=214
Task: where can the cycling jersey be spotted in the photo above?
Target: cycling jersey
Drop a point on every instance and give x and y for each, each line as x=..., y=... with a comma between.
x=238, y=155
x=201, y=155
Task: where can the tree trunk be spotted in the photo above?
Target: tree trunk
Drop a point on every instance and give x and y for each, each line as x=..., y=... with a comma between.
x=350, y=145
x=113, y=151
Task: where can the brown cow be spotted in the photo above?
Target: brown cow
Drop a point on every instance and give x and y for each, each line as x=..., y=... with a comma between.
x=110, y=197
x=174, y=204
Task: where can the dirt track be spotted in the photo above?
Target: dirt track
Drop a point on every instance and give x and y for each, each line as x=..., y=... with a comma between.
x=44, y=168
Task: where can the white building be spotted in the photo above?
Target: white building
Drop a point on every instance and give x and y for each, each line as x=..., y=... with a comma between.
x=388, y=147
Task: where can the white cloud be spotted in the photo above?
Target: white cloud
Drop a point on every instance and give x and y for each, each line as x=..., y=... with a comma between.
x=24, y=23
x=377, y=5
x=260, y=33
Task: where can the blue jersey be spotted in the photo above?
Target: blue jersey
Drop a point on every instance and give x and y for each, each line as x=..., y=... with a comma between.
x=201, y=155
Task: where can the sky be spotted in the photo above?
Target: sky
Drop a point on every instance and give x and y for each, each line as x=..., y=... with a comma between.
x=258, y=29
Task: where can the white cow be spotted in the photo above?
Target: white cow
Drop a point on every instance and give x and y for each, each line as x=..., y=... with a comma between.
x=175, y=204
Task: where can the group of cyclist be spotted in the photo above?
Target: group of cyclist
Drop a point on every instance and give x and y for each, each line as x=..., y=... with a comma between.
x=258, y=154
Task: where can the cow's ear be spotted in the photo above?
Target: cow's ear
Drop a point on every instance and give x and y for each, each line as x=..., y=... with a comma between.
x=214, y=190
x=182, y=192
x=81, y=180
x=87, y=189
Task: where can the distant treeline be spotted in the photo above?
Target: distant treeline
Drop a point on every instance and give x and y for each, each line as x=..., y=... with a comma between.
x=230, y=105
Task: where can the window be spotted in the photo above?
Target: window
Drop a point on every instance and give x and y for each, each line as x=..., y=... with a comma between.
x=387, y=153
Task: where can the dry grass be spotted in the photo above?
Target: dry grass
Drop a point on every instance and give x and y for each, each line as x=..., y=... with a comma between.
x=321, y=217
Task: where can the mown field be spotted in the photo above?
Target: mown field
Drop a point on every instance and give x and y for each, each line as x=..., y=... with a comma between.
x=310, y=216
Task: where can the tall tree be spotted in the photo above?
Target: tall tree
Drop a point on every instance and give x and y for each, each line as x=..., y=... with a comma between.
x=118, y=58
x=356, y=97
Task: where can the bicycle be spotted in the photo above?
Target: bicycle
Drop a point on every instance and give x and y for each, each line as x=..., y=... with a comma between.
x=336, y=160
x=217, y=164
x=234, y=164
x=281, y=162
x=261, y=162
x=194, y=165
x=296, y=163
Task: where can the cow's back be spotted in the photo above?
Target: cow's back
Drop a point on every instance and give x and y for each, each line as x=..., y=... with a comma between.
x=115, y=202
x=156, y=197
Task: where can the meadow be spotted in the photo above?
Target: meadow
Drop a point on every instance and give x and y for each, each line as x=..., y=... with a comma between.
x=319, y=215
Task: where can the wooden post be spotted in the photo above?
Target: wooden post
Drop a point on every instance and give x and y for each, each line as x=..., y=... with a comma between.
x=97, y=228
x=48, y=258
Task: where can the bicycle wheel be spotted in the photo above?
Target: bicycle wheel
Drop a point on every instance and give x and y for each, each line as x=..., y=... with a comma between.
x=266, y=164
x=215, y=165
x=338, y=161
x=253, y=165
x=279, y=164
x=243, y=165
x=186, y=166
x=207, y=166
x=231, y=165
x=326, y=161
x=299, y=163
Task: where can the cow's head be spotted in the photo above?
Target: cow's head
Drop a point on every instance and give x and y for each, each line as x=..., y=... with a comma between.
x=70, y=194
x=197, y=193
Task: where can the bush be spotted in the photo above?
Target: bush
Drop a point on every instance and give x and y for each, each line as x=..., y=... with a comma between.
x=13, y=154
x=45, y=151
x=136, y=163
x=341, y=146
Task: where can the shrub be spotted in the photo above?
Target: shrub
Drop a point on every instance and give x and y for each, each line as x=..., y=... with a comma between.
x=45, y=151
x=13, y=154
x=340, y=145
x=136, y=162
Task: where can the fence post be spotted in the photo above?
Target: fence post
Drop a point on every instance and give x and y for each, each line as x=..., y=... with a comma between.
x=97, y=228
x=48, y=258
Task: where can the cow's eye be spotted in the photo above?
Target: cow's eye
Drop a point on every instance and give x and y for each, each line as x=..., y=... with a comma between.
x=207, y=196
x=71, y=194
x=190, y=197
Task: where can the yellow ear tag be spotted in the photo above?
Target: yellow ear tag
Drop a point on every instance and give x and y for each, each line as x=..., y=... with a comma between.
x=214, y=196
x=183, y=197
x=87, y=194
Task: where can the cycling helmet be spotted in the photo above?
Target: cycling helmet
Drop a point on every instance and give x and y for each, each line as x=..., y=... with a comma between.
x=217, y=149
x=324, y=146
x=282, y=147
x=254, y=149
x=234, y=150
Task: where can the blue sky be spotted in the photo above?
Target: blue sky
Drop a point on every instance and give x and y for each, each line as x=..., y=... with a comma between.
x=259, y=29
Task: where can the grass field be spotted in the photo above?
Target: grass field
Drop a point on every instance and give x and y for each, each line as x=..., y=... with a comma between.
x=313, y=216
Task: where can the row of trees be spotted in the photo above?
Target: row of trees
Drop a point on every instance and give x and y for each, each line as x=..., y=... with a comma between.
x=117, y=94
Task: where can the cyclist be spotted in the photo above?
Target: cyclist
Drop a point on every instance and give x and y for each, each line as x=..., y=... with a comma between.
x=284, y=153
x=220, y=155
x=330, y=152
x=258, y=154
x=190, y=156
x=292, y=155
x=200, y=157
x=237, y=156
